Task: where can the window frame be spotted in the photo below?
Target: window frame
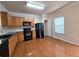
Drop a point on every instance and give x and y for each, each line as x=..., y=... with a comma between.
x=59, y=25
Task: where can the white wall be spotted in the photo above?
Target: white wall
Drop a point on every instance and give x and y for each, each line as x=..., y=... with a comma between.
x=71, y=15
x=2, y=8
x=49, y=27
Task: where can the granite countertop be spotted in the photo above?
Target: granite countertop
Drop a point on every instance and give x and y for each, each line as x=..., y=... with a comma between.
x=11, y=31
x=14, y=31
x=5, y=37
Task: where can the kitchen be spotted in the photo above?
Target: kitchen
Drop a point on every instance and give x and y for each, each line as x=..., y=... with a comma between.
x=14, y=31
x=39, y=28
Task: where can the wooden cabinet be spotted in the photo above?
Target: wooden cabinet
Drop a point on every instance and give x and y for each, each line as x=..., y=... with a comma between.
x=17, y=37
x=4, y=18
x=12, y=43
x=18, y=21
x=20, y=36
x=15, y=21
x=0, y=19
x=34, y=34
x=10, y=21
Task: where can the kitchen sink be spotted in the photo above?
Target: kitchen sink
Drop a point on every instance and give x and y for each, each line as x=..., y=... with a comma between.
x=3, y=38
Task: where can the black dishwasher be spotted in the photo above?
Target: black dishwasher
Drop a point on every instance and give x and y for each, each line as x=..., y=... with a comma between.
x=4, y=49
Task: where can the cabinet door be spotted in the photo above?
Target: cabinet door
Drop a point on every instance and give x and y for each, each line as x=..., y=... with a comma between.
x=10, y=21
x=34, y=34
x=4, y=19
x=20, y=21
x=12, y=44
x=20, y=36
x=15, y=21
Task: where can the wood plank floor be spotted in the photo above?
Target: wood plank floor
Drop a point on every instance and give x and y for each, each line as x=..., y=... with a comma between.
x=45, y=47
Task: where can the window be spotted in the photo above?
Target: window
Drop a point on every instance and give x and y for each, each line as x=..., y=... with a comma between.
x=59, y=25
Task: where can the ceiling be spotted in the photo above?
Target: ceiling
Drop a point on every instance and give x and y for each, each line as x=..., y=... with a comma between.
x=19, y=6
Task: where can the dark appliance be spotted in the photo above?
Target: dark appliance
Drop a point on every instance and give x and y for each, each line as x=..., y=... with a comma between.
x=27, y=31
x=4, y=49
x=39, y=30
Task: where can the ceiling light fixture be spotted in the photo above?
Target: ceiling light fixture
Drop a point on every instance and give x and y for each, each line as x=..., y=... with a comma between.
x=35, y=5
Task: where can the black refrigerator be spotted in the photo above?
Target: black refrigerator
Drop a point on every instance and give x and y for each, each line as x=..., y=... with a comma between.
x=27, y=31
x=39, y=27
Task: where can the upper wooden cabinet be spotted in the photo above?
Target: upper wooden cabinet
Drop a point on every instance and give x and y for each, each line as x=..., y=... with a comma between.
x=15, y=21
x=10, y=21
x=0, y=19
x=4, y=18
x=18, y=21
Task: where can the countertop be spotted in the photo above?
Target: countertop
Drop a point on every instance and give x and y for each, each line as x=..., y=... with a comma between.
x=11, y=31
x=4, y=39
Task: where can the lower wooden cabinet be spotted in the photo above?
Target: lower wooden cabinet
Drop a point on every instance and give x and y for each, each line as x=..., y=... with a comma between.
x=20, y=36
x=13, y=40
x=34, y=34
x=12, y=43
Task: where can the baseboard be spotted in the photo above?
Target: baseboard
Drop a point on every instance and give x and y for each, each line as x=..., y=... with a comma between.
x=70, y=42
x=63, y=40
x=48, y=36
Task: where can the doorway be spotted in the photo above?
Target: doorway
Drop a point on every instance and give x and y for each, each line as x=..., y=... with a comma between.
x=45, y=27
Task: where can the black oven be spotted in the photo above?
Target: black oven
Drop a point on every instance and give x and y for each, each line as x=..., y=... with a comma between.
x=27, y=31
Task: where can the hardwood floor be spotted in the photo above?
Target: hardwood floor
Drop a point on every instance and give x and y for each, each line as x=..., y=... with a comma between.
x=45, y=47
